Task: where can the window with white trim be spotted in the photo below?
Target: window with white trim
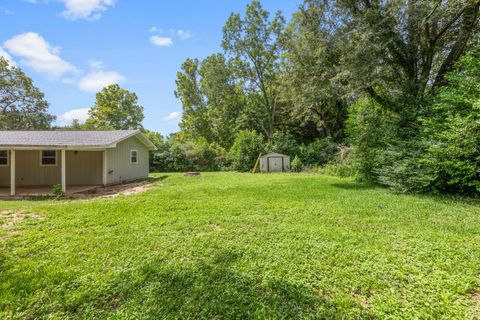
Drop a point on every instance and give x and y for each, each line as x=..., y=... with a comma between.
x=3, y=158
x=48, y=158
x=133, y=157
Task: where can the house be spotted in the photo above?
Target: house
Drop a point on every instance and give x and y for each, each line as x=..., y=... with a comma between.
x=274, y=162
x=73, y=159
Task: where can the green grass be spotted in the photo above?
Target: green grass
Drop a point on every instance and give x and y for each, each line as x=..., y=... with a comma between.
x=228, y=245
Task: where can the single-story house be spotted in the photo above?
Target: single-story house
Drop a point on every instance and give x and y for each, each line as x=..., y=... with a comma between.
x=274, y=162
x=71, y=159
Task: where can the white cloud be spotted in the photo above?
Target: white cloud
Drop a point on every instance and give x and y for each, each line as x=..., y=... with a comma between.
x=97, y=80
x=7, y=57
x=95, y=64
x=5, y=10
x=183, y=34
x=172, y=116
x=161, y=41
x=85, y=9
x=155, y=29
x=38, y=54
x=79, y=114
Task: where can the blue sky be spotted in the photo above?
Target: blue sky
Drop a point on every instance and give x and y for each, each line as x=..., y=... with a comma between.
x=71, y=48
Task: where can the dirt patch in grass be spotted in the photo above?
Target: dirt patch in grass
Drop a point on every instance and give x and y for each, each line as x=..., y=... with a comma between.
x=11, y=218
x=476, y=297
x=115, y=190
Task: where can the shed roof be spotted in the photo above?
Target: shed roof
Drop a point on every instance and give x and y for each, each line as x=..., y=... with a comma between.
x=274, y=154
x=69, y=139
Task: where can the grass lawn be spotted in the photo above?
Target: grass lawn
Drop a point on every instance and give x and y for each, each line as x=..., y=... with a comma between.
x=228, y=245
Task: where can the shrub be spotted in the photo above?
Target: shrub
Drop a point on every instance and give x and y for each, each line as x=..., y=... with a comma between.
x=370, y=129
x=402, y=168
x=343, y=166
x=319, y=152
x=453, y=130
x=57, y=190
x=183, y=154
x=248, y=145
x=296, y=164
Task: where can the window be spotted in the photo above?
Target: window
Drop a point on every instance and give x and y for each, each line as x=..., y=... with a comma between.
x=3, y=158
x=133, y=157
x=49, y=158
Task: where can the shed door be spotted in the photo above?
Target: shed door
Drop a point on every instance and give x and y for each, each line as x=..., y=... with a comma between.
x=275, y=164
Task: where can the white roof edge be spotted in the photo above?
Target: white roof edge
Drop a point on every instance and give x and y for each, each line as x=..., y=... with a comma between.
x=270, y=153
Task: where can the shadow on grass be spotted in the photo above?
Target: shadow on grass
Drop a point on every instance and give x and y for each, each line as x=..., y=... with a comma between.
x=354, y=186
x=157, y=178
x=211, y=289
x=437, y=197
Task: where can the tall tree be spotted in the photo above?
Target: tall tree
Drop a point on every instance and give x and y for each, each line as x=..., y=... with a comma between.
x=22, y=105
x=194, y=104
x=212, y=99
x=255, y=45
x=312, y=86
x=115, y=109
x=405, y=46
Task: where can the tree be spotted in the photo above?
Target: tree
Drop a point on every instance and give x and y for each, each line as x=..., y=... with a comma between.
x=22, y=105
x=396, y=51
x=248, y=145
x=453, y=130
x=211, y=98
x=254, y=43
x=311, y=85
x=194, y=104
x=396, y=55
x=115, y=109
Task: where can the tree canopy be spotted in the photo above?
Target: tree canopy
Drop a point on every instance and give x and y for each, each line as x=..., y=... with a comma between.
x=115, y=109
x=22, y=105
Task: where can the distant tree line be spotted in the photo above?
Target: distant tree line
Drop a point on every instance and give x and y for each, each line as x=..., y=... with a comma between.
x=387, y=91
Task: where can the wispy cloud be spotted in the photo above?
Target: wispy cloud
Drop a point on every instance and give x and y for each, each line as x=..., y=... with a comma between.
x=161, y=41
x=97, y=80
x=37, y=53
x=165, y=41
x=172, y=116
x=183, y=34
x=5, y=10
x=155, y=29
x=80, y=114
x=95, y=64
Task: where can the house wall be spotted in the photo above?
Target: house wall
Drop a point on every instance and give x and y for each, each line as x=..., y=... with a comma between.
x=82, y=168
x=4, y=176
x=120, y=169
x=28, y=171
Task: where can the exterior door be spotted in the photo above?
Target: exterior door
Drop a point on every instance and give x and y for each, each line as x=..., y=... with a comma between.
x=275, y=164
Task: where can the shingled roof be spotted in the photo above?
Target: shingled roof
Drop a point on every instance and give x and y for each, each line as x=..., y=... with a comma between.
x=69, y=139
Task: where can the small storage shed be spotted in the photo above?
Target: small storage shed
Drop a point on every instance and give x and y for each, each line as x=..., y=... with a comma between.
x=274, y=162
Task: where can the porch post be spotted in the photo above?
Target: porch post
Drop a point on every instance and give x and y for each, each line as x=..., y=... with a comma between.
x=104, y=168
x=12, y=172
x=64, y=178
